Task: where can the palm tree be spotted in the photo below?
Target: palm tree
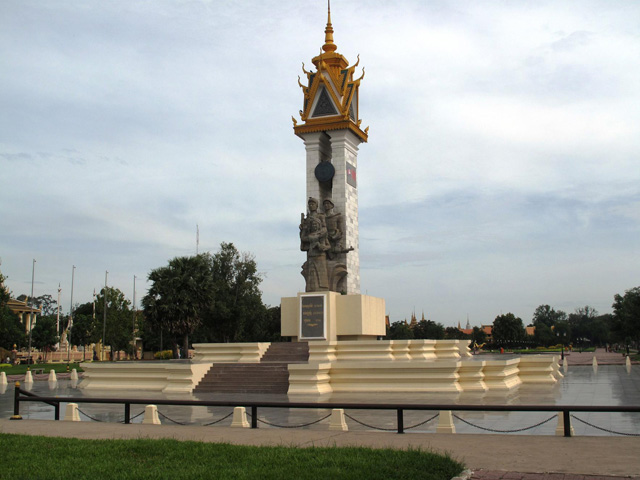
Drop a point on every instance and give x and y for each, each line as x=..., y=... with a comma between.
x=179, y=296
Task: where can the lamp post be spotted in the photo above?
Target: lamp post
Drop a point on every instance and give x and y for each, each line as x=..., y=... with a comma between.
x=58, y=320
x=104, y=317
x=133, y=344
x=70, y=326
x=33, y=273
x=562, y=337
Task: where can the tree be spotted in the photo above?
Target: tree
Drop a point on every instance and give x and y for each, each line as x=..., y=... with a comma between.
x=580, y=322
x=265, y=326
x=210, y=298
x=179, y=297
x=508, y=328
x=544, y=314
x=47, y=305
x=544, y=335
x=562, y=332
x=453, y=333
x=399, y=331
x=626, y=315
x=43, y=335
x=86, y=330
x=237, y=297
x=478, y=336
x=11, y=330
x=599, y=329
x=118, y=325
x=428, y=329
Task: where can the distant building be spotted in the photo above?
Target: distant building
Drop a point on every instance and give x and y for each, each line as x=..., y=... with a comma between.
x=26, y=313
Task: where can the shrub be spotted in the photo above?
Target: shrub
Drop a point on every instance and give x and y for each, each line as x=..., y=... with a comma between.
x=163, y=355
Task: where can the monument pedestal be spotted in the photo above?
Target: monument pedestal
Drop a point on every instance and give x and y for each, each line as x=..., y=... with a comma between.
x=330, y=316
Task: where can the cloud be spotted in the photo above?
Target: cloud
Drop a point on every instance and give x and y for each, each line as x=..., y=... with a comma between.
x=501, y=170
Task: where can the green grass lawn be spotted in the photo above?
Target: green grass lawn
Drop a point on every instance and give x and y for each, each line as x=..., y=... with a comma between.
x=22, y=369
x=64, y=458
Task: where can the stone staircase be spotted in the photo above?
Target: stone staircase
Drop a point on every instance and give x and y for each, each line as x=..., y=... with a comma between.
x=271, y=375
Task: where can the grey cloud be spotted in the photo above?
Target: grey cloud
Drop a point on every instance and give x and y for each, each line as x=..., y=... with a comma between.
x=573, y=41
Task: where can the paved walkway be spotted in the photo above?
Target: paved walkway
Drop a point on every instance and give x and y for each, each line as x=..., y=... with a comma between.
x=502, y=475
x=490, y=456
x=602, y=357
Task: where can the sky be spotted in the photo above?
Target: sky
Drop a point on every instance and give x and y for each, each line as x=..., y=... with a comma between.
x=501, y=173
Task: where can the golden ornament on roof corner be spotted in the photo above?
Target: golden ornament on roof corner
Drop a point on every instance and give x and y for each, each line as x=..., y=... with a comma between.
x=331, y=95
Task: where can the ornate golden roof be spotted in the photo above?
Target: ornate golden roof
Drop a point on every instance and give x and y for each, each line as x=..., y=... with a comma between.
x=331, y=93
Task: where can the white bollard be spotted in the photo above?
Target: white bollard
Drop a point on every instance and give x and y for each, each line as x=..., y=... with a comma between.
x=52, y=376
x=151, y=415
x=565, y=365
x=240, y=418
x=445, y=422
x=627, y=363
x=3, y=378
x=74, y=374
x=594, y=362
x=28, y=378
x=337, y=422
x=71, y=413
x=560, y=427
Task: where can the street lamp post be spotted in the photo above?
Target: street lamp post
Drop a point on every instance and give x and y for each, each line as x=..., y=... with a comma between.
x=70, y=326
x=133, y=345
x=562, y=337
x=58, y=321
x=104, y=317
x=33, y=273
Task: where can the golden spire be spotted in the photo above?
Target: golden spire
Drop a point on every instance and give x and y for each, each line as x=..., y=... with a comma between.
x=329, y=46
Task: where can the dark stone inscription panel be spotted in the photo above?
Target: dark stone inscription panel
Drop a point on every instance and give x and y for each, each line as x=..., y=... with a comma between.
x=312, y=316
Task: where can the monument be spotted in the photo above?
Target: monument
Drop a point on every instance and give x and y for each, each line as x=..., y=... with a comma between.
x=340, y=326
x=331, y=307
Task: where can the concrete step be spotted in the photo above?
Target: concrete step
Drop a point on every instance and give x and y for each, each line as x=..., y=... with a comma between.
x=271, y=375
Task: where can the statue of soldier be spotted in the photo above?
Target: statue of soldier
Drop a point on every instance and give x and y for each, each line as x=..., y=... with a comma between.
x=314, y=241
x=334, y=222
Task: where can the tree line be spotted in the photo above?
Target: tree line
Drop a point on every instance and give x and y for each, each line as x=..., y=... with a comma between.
x=584, y=327
x=202, y=298
x=216, y=298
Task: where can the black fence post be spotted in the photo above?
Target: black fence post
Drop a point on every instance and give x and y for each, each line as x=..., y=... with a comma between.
x=567, y=423
x=254, y=417
x=56, y=411
x=400, y=421
x=16, y=403
x=127, y=413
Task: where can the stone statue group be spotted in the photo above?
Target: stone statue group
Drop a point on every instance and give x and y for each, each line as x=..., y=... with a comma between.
x=321, y=236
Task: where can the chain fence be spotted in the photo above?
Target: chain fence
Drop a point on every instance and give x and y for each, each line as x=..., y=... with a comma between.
x=289, y=426
x=389, y=429
x=503, y=431
x=98, y=420
x=605, y=429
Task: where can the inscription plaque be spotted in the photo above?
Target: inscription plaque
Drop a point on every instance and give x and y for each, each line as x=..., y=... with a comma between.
x=312, y=317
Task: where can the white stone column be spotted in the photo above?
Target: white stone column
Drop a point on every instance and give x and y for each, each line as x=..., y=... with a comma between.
x=344, y=148
x=340, y=147
x=318, y=149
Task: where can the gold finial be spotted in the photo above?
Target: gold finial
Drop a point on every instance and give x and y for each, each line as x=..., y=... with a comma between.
x=329, y=46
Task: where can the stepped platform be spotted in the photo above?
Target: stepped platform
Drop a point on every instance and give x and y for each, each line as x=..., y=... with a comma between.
x=270, y=375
